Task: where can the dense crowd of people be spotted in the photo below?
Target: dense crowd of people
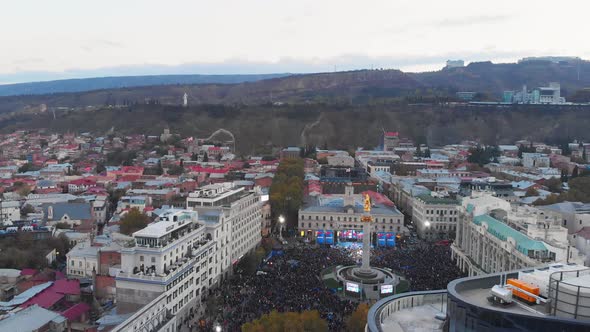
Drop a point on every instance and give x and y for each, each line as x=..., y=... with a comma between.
x=291, y=281
x=425, y=266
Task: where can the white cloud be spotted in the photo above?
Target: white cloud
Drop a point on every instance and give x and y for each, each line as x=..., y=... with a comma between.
x=72, y=37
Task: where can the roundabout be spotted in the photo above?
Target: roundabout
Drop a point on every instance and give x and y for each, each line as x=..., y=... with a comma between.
x=366, y=282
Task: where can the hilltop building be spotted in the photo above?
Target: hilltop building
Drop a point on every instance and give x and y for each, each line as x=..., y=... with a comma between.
x=455, y=64
x=542, y=95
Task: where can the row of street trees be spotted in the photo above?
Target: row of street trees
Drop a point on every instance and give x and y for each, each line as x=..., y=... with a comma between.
x=305, y=321
x=286, y=191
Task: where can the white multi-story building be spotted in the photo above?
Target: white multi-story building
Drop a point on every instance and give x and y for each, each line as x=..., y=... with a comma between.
x=153, y=317
x=535, y=160
x=435, y=218
x=235, y=214
x=9, y=212
x=340, y=160
x=99, y=209
x=187, y=252
x=574, y=215
x=172, y=256
x=493, y=237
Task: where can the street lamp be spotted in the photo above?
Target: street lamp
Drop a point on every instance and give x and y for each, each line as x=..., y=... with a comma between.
x=217, y=328
x=282, y=224
x=427, y=226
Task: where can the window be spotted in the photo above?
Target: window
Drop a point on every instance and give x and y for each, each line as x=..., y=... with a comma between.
x=141, y=258
x=153, y=259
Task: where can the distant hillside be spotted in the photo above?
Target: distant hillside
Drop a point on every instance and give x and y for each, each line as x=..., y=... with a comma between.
x=492, y=78
x=260, y=128
x=100, y=83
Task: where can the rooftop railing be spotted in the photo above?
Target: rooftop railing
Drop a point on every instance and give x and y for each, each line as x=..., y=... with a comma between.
x=386, y=307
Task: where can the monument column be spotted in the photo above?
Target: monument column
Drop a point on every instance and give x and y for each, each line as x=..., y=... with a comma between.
x=366, y=247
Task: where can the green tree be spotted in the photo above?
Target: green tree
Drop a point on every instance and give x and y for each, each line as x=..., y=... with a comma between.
x=100, y=168
x=483, y=155
x=22, y=188
x=528, y=149
x=287, y=321
x=418, y=152
x=358, y=319
x=159, y=169
x=531, y=191
x=553, y=185
x=564, y=176
x=286, y=191
x=205, y=157
x=133, y=221
x=175, y=170
x=575, y=172
x=26, y=209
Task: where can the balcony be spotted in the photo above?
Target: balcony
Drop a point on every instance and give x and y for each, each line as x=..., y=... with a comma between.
x=148, y=274
x=168, y=241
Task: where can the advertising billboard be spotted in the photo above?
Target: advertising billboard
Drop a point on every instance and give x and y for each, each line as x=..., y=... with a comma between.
x=386, y=289
x=352, y=287
x=319, y=237
x=390, y=239
x=381, y=239
x=329, y=237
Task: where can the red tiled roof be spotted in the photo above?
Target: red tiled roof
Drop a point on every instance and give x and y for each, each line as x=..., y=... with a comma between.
x=83, y=182
x=75, y=311
x=45, y=300
x=378, y=198
x=391, y=134
x=65, y=286
x=28, y=272
x=129, y=178
x=584, y=232
x=200, y=169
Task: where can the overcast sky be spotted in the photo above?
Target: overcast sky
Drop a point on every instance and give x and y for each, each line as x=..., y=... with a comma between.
x=42, y=40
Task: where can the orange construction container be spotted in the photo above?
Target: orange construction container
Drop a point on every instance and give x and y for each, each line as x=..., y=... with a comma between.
x=526, y=287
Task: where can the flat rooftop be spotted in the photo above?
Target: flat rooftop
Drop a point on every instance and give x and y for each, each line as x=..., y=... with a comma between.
x=416, y=319
x=479, y=297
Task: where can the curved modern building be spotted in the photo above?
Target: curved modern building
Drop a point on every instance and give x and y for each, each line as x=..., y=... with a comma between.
x=466, y=305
